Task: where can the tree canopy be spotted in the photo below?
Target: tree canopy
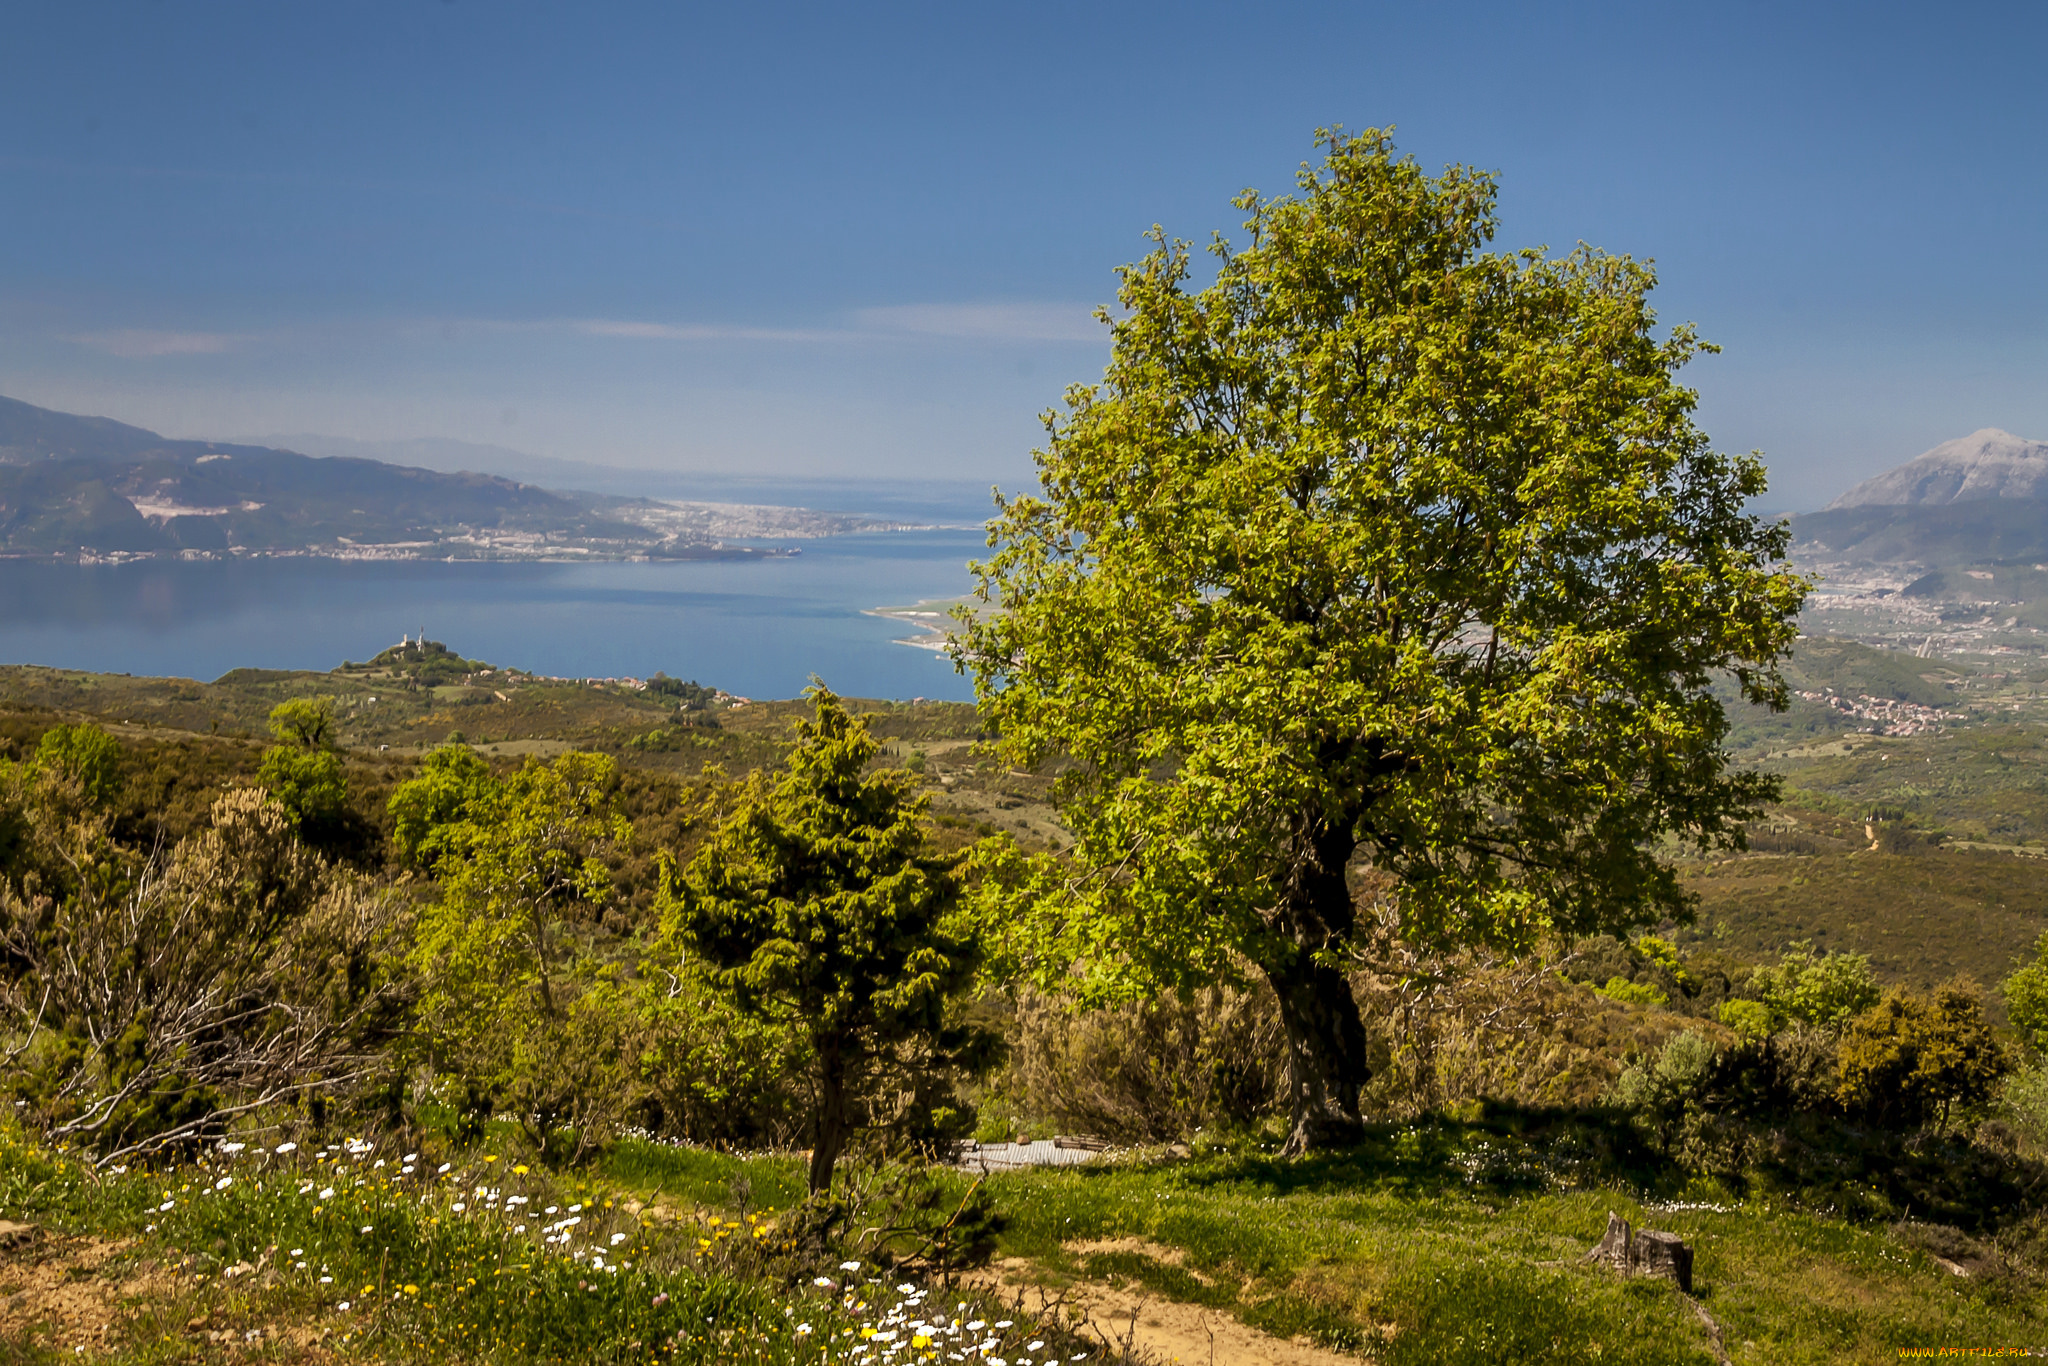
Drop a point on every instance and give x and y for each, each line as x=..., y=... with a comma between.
x=303, y=773
x=2026, y=998
x=84, y=754
x=1383, y=550
x=1910, y=1058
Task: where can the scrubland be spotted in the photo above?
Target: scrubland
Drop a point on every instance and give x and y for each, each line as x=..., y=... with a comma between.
x=1854, y=1182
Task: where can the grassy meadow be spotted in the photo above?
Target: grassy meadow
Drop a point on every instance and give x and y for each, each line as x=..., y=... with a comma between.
x=1438, y=1243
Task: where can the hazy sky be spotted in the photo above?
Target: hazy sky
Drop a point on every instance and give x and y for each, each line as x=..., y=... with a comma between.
x=837, y=239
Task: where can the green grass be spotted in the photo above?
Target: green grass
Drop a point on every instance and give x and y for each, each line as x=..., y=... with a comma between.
x=1429, y=1244
x=405, y=1260
x=1405, y=1235
x=698, y=1178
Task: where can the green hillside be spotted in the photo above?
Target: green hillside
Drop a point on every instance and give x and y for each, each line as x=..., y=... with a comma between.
x=1949, y=534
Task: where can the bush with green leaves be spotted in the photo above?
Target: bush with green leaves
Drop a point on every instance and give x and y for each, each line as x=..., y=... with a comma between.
x=85, y=755
x=511, y=1018
x=2026, y=998
x=1709, y=1105
x=1749, y=1019
x=1650, y=969
x=1911, y=1058
x=302, y=773
x=1631, y=993
x=157, y=995
x=1824, y=989
x=1659, y=1090
x=2023, y=1105
x=447, y=800
x=1150, y=1071
x=708, y=1073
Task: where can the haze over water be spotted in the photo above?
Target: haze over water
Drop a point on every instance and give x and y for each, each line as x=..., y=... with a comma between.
x=760, y=628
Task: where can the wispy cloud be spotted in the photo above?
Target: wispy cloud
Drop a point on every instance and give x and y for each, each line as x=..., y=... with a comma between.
x=646, y=331
x=1013, y=322
x=1044, y=322
x=988, y=322
x=142, y=342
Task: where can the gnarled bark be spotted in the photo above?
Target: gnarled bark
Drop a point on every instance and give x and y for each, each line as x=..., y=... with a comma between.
x=1327, y=1067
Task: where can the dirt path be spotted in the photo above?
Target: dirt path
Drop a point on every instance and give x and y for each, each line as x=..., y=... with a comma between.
x=1157, y=1330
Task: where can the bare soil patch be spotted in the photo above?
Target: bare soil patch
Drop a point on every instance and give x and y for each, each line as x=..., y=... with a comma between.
x=1156, y=1330
x=84, y=1298
x=73, y=1292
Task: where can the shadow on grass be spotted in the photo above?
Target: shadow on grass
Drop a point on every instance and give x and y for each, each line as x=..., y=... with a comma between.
x=1820, y=1163
x=1505, y=1152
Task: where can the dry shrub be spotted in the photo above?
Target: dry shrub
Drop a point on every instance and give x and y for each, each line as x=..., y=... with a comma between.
x=1154, y=1070
x=1446, y=1031
x=152, y=998
x=1449, y=1030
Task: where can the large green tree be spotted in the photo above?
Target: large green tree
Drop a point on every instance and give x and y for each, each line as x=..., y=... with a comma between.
x=818, y=904
x=1382, y=550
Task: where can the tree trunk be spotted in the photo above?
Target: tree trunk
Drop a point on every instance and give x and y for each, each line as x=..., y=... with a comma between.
x=833, y=1125
x=1327, y=1066
x=1326, y=1054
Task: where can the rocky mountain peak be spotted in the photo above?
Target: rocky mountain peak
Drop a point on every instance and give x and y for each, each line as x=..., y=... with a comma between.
x=1983, y=465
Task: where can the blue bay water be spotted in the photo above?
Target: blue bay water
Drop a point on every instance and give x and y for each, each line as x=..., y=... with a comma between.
x=760, y=628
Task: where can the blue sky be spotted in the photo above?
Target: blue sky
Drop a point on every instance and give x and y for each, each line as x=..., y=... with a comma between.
x=840, y=240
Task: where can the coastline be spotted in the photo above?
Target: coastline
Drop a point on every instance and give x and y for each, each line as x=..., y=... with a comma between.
x=930, y=616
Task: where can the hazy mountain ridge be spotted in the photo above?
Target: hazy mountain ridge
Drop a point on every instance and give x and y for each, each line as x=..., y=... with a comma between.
x=95, y=487
x=467, y=457
x=1966, y=532
x=885, y=501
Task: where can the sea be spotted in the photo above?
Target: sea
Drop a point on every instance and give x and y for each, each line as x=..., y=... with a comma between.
x=760, y=627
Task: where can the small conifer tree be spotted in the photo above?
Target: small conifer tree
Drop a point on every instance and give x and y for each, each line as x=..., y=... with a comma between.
x=818, y=903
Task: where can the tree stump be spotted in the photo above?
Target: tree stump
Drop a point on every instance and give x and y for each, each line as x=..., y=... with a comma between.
x=1663, y=1254
x=1613, y=1249
x=1648, y=1253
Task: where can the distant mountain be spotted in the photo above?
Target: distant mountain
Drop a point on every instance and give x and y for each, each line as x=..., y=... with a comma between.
x=90, y=486
x=1975, y=500
x=896, y=501
x=29, y=433
x=1985, y=465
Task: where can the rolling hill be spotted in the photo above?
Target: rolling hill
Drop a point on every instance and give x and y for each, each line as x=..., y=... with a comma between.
x=1972, y=532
